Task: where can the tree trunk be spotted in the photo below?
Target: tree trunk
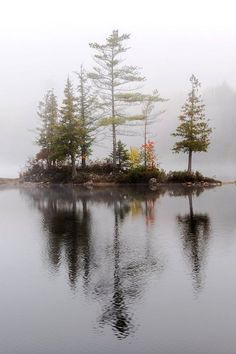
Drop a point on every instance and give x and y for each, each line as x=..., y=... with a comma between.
x=83, y=162
x=49, y=163
x=83, y=148
x=74, y=172
x=190, y=160
x=114, y=146
x=145, y=144
x=113, y=115
x=83, y=157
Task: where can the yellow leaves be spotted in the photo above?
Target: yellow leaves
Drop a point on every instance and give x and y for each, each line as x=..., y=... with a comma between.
x=135, y=157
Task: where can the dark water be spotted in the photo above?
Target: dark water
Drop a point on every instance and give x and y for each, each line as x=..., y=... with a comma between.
x=117, y=271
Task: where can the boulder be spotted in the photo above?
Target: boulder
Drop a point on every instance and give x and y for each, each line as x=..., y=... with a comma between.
x=152, y=181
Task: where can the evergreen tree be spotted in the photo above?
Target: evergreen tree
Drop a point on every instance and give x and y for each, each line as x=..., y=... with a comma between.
x=122, y=154
x=111, y=77
x=87, y=111
x=193, y=129
x=68, y=137
x=48, y=114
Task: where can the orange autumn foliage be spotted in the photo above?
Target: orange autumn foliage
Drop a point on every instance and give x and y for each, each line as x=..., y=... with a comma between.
x=148, y=149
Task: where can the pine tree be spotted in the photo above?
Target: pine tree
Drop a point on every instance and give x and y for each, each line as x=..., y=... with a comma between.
x=48, y=114
x=122, y=155
x=193, y=130
x=68, y=136
x=111, y=77
x=87, y=111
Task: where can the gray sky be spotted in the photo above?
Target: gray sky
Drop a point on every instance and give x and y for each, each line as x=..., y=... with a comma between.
x=44, y=41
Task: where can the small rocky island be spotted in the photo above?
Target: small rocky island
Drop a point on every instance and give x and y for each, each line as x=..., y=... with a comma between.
x=104, y=174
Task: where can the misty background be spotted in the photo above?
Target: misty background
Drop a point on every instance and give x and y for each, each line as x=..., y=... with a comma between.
x=44, y=42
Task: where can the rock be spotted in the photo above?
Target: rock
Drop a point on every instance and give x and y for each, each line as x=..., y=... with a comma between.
x=152, y=181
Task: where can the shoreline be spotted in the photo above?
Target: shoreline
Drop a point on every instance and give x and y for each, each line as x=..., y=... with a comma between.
x=18, y=182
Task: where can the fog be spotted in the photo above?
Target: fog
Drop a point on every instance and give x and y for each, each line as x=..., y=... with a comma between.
x=44, y=42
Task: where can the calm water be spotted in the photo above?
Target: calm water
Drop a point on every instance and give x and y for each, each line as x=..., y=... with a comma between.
x=117, y=271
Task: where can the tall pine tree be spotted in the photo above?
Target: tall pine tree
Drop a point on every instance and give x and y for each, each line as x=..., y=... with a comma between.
x=111, y=78
x=68, y=136
x=87, y=112
x=193, y=130
x=48, y=114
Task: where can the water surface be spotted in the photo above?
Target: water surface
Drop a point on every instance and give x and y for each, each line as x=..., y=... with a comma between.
x=117, y=271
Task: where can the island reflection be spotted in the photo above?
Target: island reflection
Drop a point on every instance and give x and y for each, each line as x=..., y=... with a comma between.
x=116, y=270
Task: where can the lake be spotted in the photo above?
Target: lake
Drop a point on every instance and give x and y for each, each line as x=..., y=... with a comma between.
x=117, y=270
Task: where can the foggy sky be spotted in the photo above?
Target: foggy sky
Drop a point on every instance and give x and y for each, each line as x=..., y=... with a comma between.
x=44, y=41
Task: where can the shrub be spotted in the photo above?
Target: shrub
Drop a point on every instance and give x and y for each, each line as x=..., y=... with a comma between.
x=141, y=175
x=185, y=176
x=81, y=177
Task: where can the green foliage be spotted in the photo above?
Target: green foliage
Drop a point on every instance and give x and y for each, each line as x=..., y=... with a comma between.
x=68, y=136
x=141, y=175
x=36, y=172
x=122, y=154
x=99, y=167
x=48, y=114
x=81, y=177
x=193, y=130
x=110, y=77
x=87, y=115
x=186, y=176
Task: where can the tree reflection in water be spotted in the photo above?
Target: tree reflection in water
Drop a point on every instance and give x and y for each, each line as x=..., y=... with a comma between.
x=195, y=233
x=67, y=219
x=114, y=270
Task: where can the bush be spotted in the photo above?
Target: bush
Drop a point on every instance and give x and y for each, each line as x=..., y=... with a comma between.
x=97, y=167
x=39, y=173
x=141, y=175
x=82, y=177
x=185, y=177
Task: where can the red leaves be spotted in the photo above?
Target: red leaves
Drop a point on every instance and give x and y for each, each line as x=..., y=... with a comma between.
x=149, y=153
